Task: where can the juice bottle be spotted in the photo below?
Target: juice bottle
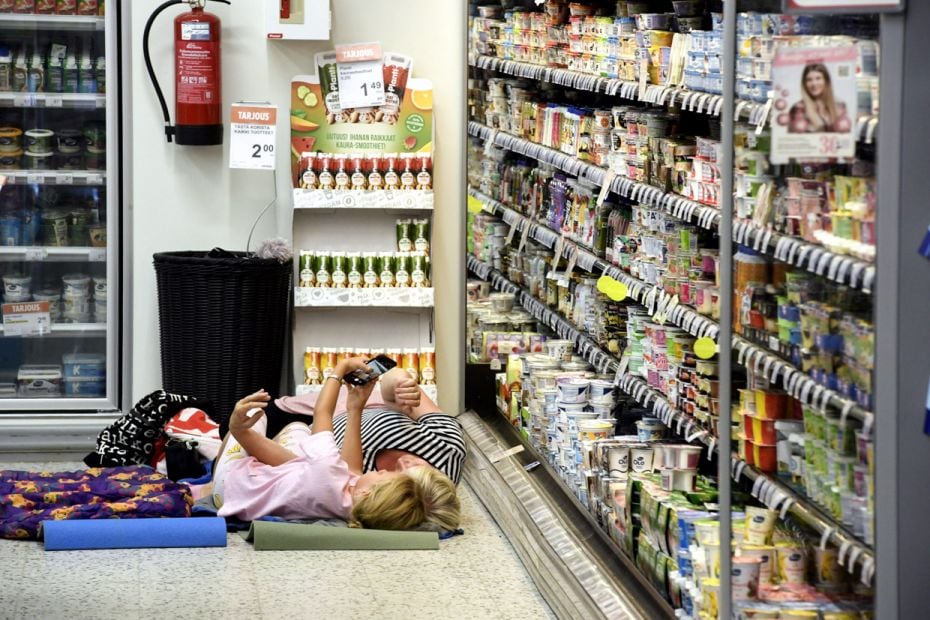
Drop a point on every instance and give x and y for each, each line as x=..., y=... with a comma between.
x=342, y=173
x=424, y=171
x=100, y=72
x=325, y=177
x=55, y=73
x=391, y=177
x=375, y=179
x=308, y=173
x=359, y=178
x=20, y=71
x=87, y=78
x=408, y=180
x=35, y=78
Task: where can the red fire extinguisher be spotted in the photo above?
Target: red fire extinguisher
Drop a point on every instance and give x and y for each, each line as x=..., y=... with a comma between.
x=197, y=80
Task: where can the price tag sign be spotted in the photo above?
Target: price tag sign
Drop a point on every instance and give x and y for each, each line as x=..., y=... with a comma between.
x=360, y=71
x=252, y=136
x=54, y=101
x=26, y=319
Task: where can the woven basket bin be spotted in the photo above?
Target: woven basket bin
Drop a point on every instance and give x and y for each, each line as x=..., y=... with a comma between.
x=224, y=319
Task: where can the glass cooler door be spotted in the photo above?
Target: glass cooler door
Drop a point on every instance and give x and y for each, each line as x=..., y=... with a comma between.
x=59, y=207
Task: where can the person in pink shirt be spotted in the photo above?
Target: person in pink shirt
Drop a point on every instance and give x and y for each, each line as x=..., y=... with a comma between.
x=302, y=473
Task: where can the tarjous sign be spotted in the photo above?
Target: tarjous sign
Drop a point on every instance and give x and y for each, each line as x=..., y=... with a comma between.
x=252, y=136
x=30, y=318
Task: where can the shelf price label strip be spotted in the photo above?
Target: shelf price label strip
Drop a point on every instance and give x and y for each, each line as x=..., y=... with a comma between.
x=794, y=251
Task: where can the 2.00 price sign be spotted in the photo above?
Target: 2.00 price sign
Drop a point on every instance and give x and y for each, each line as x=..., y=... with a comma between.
x=252, y=136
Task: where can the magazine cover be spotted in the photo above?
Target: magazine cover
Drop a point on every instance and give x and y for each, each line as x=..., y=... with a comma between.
x=814, y=107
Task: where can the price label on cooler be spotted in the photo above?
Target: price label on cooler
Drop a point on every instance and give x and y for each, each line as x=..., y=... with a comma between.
x=252, y=136
x=360, y=72
x=26, y=319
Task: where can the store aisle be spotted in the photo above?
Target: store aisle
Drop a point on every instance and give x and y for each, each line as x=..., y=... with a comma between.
x=472, y=576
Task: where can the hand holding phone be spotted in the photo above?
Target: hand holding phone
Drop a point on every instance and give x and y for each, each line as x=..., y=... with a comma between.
x=377, y=367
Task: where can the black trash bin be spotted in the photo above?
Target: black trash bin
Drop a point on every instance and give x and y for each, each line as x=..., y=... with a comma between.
x=224, y=319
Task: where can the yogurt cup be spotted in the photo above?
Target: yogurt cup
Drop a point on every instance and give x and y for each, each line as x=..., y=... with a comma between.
x=650, y=429
x=767, y=556
x=76, y=309
x=100, y=288
x=76, y=285
x=593, y=430
x=11, y=160
x=601, y=392
x=53, y=298
x=641, y=459
x=573, y=390
x=40, y=141
x=744, y=577
x=618, y=460
x=760, y=523
x=17, y=285
x=100, y=311
x=792, y=562
x=11, y=140
x=70, y=141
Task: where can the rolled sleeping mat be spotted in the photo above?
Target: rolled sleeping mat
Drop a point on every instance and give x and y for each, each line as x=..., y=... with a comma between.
x=277, y=536
x=75, y=534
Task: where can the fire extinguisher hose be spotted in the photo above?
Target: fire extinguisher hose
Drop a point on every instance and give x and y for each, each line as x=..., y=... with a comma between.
x=169, y=128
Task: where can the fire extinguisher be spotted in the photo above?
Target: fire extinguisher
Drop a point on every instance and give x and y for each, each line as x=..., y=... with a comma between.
x=197, y=79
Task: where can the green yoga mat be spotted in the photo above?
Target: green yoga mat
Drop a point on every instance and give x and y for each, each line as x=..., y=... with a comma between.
x=277, y=536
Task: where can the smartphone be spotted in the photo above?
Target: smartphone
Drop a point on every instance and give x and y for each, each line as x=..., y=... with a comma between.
x=378, y=365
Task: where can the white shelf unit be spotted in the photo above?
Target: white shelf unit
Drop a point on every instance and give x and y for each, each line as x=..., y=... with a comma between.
x=358, y=319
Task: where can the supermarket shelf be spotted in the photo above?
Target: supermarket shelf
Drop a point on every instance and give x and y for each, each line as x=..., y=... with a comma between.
x=766, y=488
x=377, y=199
x=53, y=177
x=798, y=384
x=74, y=330
x=363, y=297
x=650, y=296
x=10, y=21
x=779, y=497
x=840, y=268
x=702, y=102
x=430, y=390
x=756, y=113
x=52, y=254
x=52, y=100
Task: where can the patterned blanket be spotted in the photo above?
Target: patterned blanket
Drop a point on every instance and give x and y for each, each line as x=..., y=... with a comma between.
x=28, y=498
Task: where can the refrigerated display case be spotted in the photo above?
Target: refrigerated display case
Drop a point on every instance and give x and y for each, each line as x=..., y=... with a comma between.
x=685, y=167
x=62, y=189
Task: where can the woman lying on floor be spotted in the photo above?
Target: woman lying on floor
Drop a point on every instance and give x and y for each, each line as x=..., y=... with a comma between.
x=302, y=473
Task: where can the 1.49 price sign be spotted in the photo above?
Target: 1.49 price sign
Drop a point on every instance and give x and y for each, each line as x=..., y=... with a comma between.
x=360, y=72
x=252, y=136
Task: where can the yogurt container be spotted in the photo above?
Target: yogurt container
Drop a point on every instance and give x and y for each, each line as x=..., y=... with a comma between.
x=592, y=430
x=572, y=390
x=11, y=160
x=38, y=161
x=650, y=429
x=40, y=141
x=70, y=141
x=76, y=285
x=100, y=288
x=11, y=140
x=53, y=298
x=601, y=392
x=17, y=285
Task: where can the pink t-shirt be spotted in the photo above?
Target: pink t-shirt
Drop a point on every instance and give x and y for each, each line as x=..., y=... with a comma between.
x=315, y=485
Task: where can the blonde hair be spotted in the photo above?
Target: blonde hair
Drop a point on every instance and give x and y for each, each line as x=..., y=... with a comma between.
x=420, y=495
x=443, y=508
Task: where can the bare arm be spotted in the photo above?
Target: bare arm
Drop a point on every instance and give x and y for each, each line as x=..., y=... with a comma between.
x=325, y=406
x=257, y=445
x=402, y=393
x=352, y=442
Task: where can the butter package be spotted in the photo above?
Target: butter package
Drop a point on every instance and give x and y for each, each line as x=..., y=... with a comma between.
x=39, y=381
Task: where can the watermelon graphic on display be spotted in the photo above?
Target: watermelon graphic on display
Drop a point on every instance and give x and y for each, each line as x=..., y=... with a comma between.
x=302, y=144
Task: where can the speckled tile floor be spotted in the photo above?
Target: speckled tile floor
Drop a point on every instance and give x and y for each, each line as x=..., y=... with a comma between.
x=472, y=576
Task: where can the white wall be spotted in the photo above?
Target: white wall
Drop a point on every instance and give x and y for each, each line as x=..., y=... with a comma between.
x=185, y=198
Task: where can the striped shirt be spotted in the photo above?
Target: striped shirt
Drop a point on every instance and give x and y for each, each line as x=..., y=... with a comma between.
x=436, y=438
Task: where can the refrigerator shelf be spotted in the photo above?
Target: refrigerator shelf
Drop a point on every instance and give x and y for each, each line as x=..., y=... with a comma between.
x=363, y=297
x=54, y=177
x=29, y=21
x=34, y=254
x=52, y=100
x=69, y=330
